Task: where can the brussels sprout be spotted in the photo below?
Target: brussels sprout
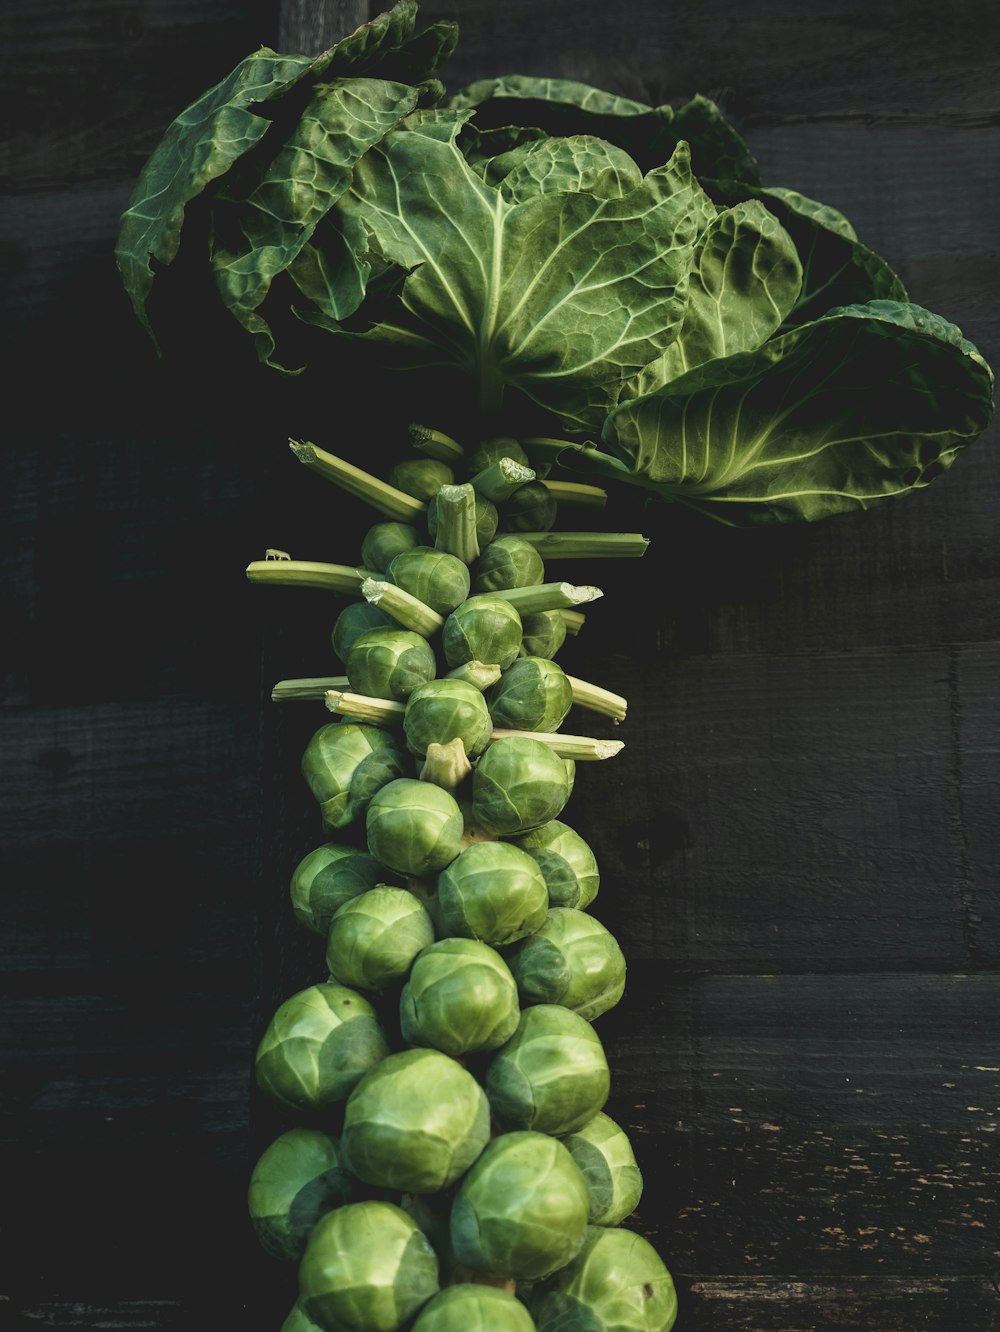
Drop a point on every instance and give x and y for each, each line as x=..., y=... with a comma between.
x=604, y=1154
x=491, y=451
x=518, y=785
x=493, y=892
x=445, y=710
x=298, y=1179
x=508, y=562
x=327, y=878
x=432, y=1213
x=567, y=863
x=355, y=620
x=544, y=634
x=344, y=765
x=390, y=663
x=434, y=577
x=483, y=628
x=570, y=775
x=384, y=542
x=416, y=1124
x=299, y=1321
x=531, y=508
x=474, y=1308
x=460, y=998
x=552, y=1075
x=532, y=695
x=521, y=1211
x=571, y=960
x=421, y=477
x=414, y=827
x=318, y=1046
x=487, y=520
x=374, y=938
x=616, y=1283
x=368, y=1268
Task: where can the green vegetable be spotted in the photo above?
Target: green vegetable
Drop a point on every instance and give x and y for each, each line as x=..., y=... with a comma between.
x=487, y=520
x=460, y=998
x=368, y=1268
x=551, y=1076
x=299, y=1321
x=327, y=878
x=492, y=892
x=318, y=1046
x=532, y=695
x=483, y=628
x=298, y=1179
x=374, y=938
x=567, y=864
x=490, y=451
x=344, y=765
x=390, y=663
x=355, y=620
x=570, y=960
x=414, y=827
x=468, y=1308
x=434, y=577
x=532, y=508
x=604, y=1154
x=381, y=545
x=416, y=1123
x=544, y=634
x=616, y=1283
x=518, y=785
x=445, y=710
x=508, y=562
x=421, y=477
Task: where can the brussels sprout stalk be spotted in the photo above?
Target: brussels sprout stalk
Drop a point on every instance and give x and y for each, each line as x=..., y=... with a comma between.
x=362, y=485
x=547, y=596
x=343, y=578
x=480, y=674
x=575, y=747
x=499, y=481
x=408, y=610
x=456, y=522
x=575, y=620
x=587, y=545
x=435, y=443
x=310, y=687
x=596, y=699
x=359, y=707
x=577, y=492
x=446, y=765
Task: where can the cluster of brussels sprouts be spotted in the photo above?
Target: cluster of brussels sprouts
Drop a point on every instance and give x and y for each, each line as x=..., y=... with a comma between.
x=451, y=1168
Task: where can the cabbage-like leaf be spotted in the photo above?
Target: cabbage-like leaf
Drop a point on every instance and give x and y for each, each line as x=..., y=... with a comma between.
x=561, y=295
x=868, y=402
x=554, y=166
x=744, y=281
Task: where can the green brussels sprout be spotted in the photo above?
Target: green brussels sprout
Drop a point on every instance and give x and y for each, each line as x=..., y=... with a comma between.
x=474, y=1308
x=570, y=775
x=493, y=892
x=604, y=1154
x=508, y=562
x=532, y=695
x=544, y=633
x=483, y=628
x=344, y=765
x=298, y=1179
x=567, y=863
x=551, y=1076
x=299, y=1321
x=616, y=1283
x=327, y=878
x=570, y=960
x=421, y=477
x=521, y=1211
x=531, y=508
x=434, y=577
x=355, y=620
x=444, y=710
x=384, y=542
x=487, y=520
x=416, y=1124
x=460, y=998
x=318, y=1046
x=375, y=937
x=414, y=828
x=490, y=451
x=518, y=785
x=368, y=1268
x=390, y=663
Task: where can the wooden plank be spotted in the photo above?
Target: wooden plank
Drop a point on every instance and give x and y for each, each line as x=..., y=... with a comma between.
x=313, y=25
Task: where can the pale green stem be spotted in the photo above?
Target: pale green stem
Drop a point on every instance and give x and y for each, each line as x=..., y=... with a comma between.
x=446, y=765
x=479, y=674
x=587, y=545
x=575, y=620
x=547, y=596
x=456, y=522
x=435, y=444
x=597, y=699
x=362, y=485
x=576, y=492
x=578, y=747
x=307, y=573
x=410, y=611
x=308, y=687
x=359, y=707
x=499, y=481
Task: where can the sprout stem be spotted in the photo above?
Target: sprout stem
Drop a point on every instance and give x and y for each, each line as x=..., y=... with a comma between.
x=579, y=747
x=307, y=573
x=408, y=610
x=598, y=700
x=446, y=765
x=587, y=545
x=575, y=620
x=456, y=522
x=499, y=481
x=362, y=485
x=375, y=711
x=476, y=673
x=435, y=444
x=308, y=687
x=577, y=492
x=547, y=596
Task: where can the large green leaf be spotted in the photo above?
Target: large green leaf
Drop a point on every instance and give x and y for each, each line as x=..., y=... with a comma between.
x=744, y=281
x=559, y=295
x=559, y=166
x=868, y=402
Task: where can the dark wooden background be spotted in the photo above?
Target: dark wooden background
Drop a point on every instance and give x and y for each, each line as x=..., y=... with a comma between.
x=799, y=843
